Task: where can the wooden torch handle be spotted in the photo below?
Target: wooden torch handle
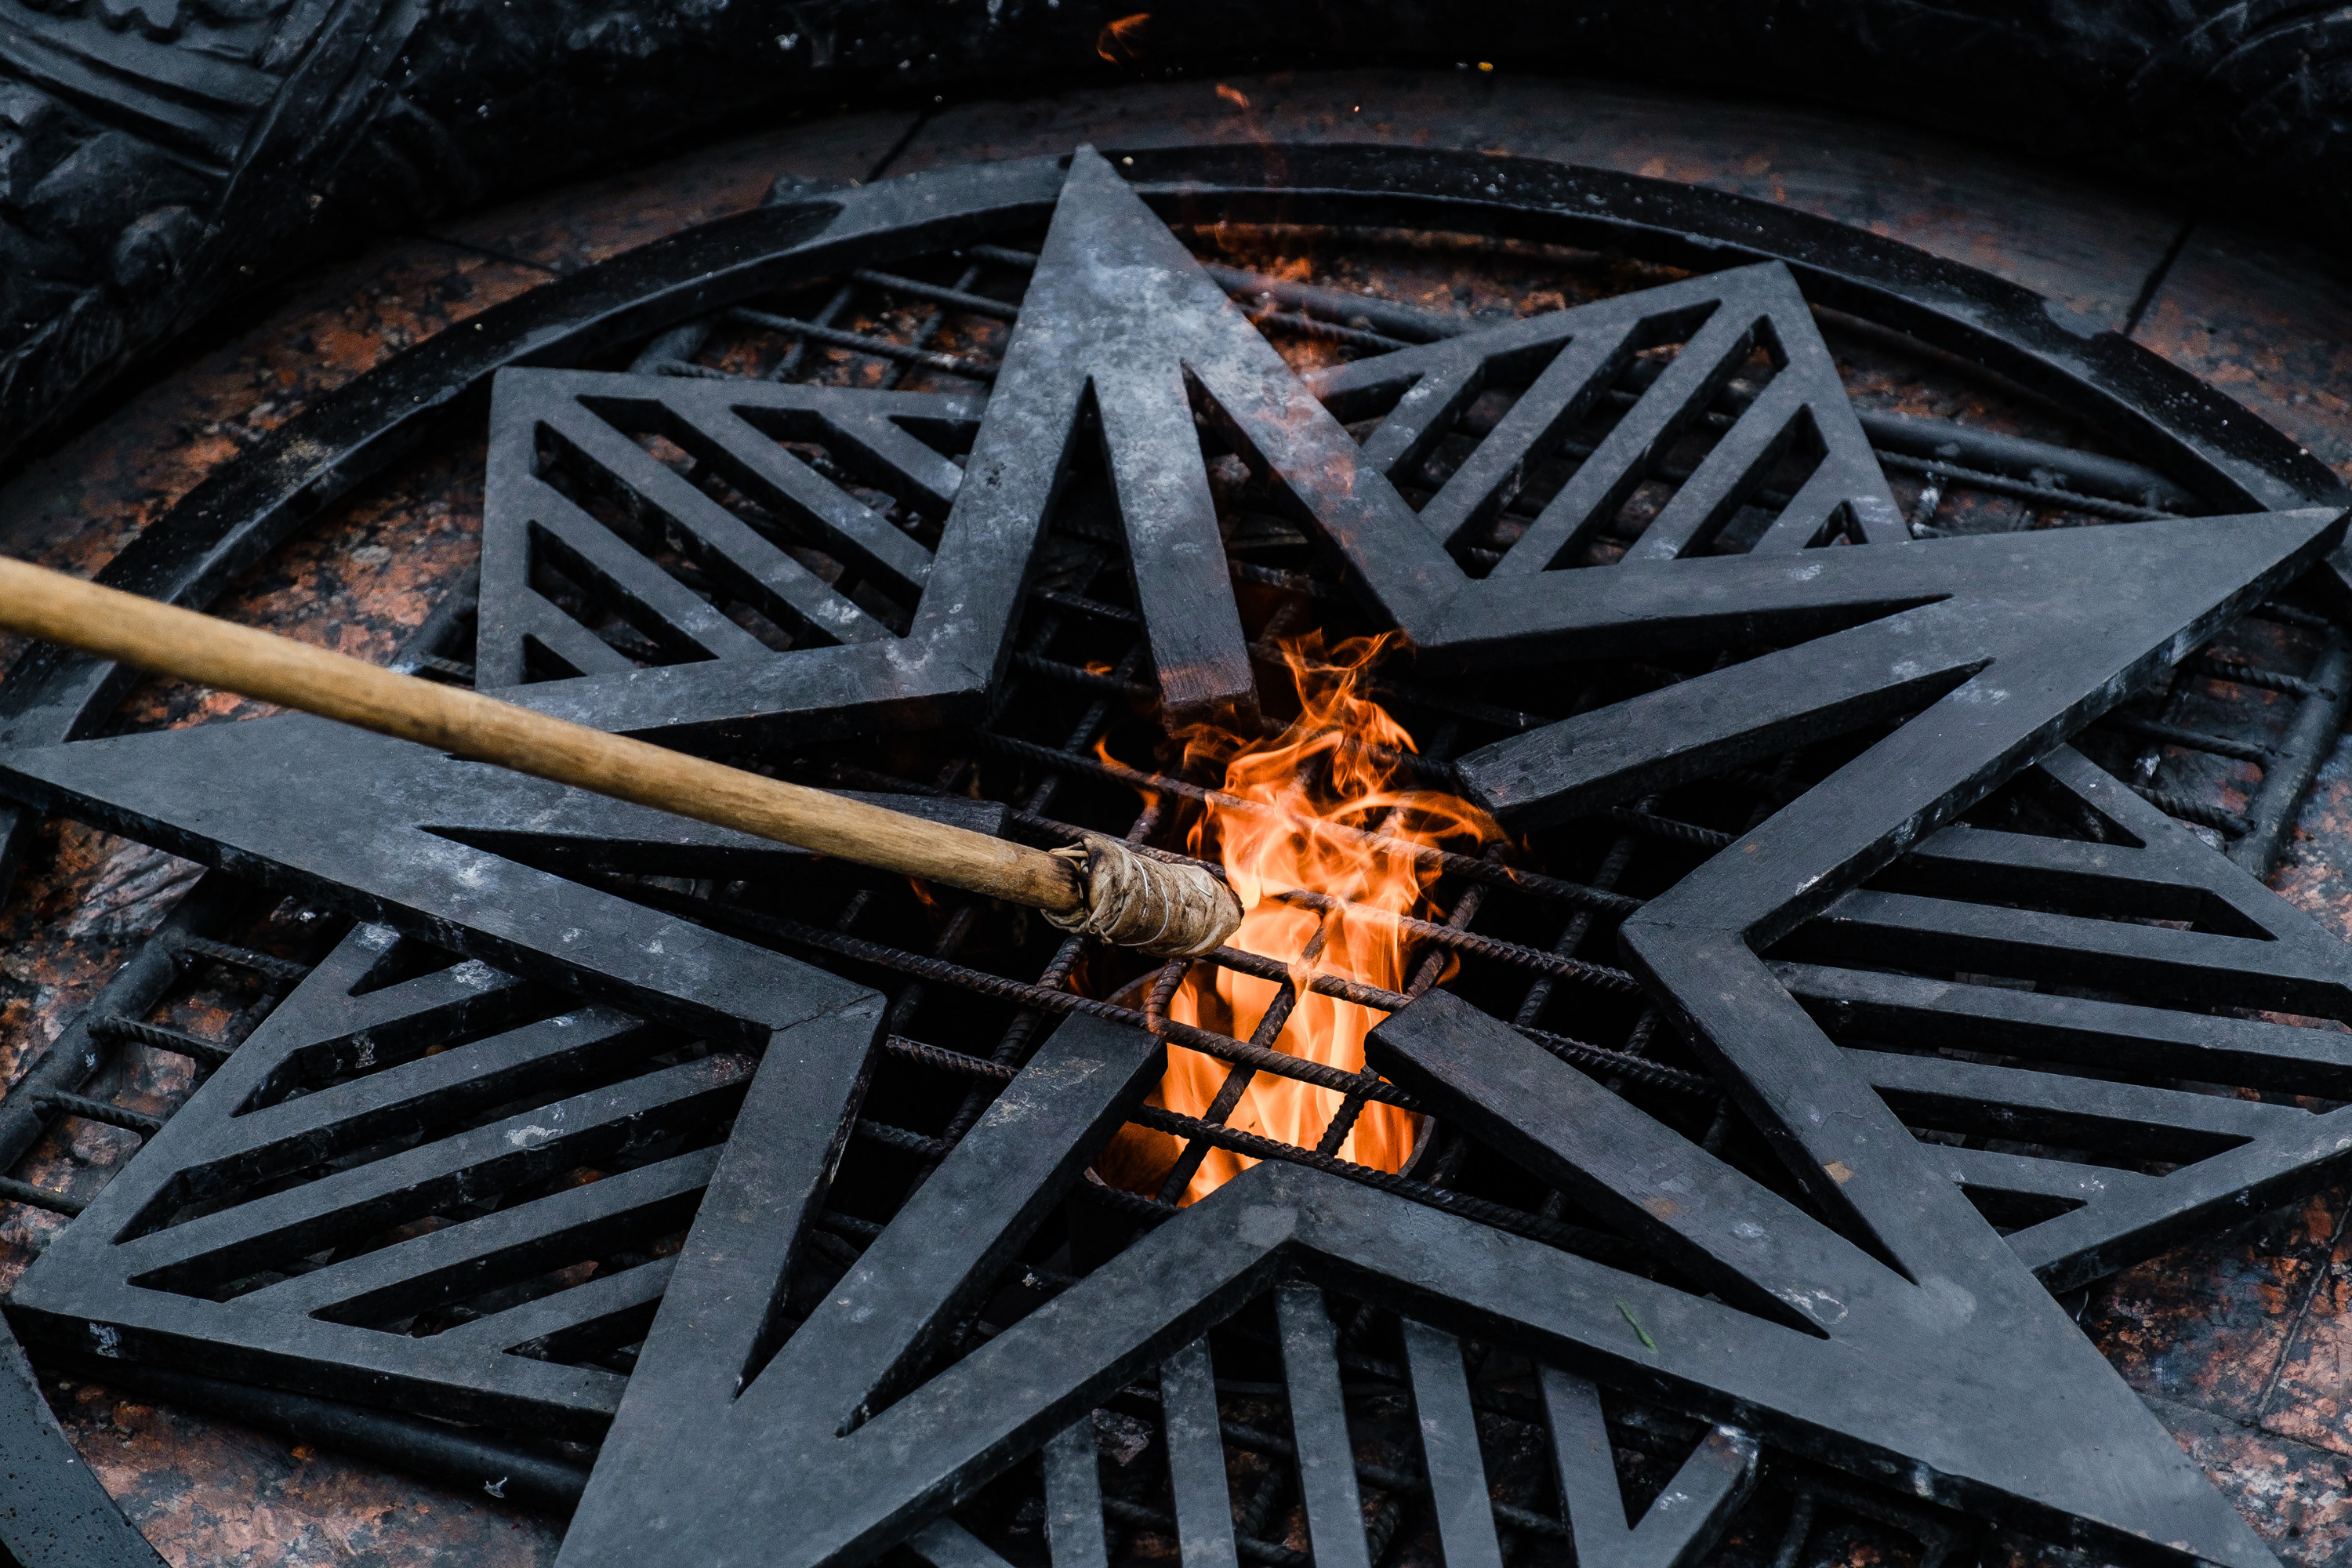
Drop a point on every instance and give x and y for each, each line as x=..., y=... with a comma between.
x=169, y=641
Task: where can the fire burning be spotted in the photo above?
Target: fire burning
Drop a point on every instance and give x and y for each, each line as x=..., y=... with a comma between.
x=1333, y=775
x=1121, y=41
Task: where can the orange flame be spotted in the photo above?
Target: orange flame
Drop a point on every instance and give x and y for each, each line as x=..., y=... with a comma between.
x=1120, y=42
x=1334, y=769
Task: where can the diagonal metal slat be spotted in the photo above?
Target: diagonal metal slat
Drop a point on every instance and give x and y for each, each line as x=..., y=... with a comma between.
x=2059, y=1108
x=728, y=550
x=1319, y=1426
x=345, y=1029
x=1422, y=415
x=1991, y=1169
x=440, y=1087
x=944, y=1543
x=1490, y=477
x=755, y=464
x=522, y=1147
x=872, y=437
x=668, y=612
x=1729, y=475
x=1196, y=1459
x=1637, y=444
x=476, y=1254
x=1685, y=1519
x=2189, y=966
x=583, y=1311
x=2114, y=880
x=537, y=620
x=2116, y=1037
x=1450, y=1457
x=1073, y=1499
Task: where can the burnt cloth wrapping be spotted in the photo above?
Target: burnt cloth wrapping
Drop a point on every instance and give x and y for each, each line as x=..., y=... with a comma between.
x=1159, y=908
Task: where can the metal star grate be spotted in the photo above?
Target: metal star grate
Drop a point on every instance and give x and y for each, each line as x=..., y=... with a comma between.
x=434, y=1180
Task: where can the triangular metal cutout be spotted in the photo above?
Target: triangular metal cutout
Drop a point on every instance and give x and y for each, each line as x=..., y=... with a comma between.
x=1682, y=1522
x=206, y=1251
x=1564, y=363
x=619, y=591
x=1349, y=1508
x=574, y=494
x=1447, y=1475
x=2186, y=950
x=1994, y=691
x=337, y=1086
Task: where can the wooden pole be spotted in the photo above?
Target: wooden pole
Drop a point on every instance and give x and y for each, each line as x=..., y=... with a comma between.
x=169, y=641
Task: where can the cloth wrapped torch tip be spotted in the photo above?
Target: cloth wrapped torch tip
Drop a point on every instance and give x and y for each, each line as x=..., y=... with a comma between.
x=1159, y=908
